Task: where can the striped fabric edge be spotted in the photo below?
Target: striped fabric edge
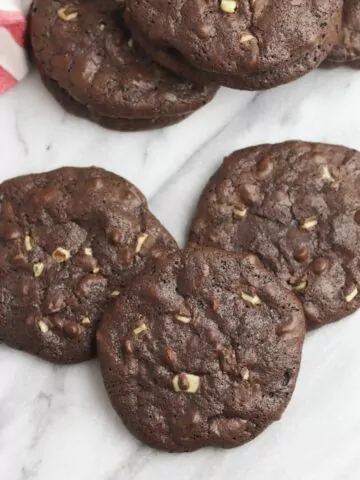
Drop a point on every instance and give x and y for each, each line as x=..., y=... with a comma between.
x=6, y=80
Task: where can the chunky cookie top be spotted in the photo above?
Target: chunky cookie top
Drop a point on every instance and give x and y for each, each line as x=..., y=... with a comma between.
x=297, y=206
x=204, y=350
x=84, y=46
x=70, y=240
x=236, y=36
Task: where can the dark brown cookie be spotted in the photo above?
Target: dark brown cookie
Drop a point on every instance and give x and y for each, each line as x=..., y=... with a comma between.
x=113, y=123
x=85, y=49
x=203, y=351
x=70, y=240
x=297, y=206
x=348, y=48
x=260, y=45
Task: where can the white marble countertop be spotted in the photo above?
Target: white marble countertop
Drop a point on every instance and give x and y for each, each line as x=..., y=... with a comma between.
x=56, y=422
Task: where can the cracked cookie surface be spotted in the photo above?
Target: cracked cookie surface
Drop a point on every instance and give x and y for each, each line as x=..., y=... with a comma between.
x=70, y=241
x=204, y=350
x=297, y=206
x=84, y=48
x=261, y=44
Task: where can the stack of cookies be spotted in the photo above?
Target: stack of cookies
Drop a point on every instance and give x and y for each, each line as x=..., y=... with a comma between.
x=200, y=346
x=139, y=64
x=90, y=63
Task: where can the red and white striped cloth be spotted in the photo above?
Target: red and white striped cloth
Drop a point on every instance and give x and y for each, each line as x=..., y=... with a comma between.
x=13, y=62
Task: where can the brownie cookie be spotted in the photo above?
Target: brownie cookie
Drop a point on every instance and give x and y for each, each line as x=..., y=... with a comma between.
x=70, y=240
x=113, y=123
x=297, y=206
x=248, y=45
x=348, y=48
x=204, y=350
x=85, y=51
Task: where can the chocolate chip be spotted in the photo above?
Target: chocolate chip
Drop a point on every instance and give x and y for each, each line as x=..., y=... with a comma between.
x=38, y=269
x=170, y=356
x=239, y=212
x=350, y=293
x=183, y=381
x=29, y=244
x=183, y=318
x=19, y=260
x=126, y=256
x=357, y=217
x=86, y=262
x=58, y=324
x=67, y=13
x=309, y=223
x=54, y=303
x=43, y=326
x=128, y=347
x=140, y=242
x=264, y=167
x=115, y=236
x=10, y=231
x=326, y=174
x=287, y=327
x=246, y=37
x=140, y=329
x=245, y=373
x=249, y=193
x=188, y=383
x=319, y=265
x=72, y=330
x=302, y=254
x=228, y=6
x=299, y=284
x=60, y=255
x=253, y=300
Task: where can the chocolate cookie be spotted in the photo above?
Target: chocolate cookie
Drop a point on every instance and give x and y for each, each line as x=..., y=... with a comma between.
x=84, y=51
x=247, y=45
x=348, y=48
x=113, y=123
x=70, y=240
x=205, y=350
x=297, y=206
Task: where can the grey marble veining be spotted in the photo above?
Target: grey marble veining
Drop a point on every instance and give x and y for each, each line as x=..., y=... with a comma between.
x=56, y=422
